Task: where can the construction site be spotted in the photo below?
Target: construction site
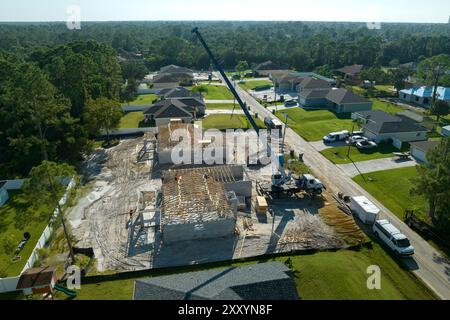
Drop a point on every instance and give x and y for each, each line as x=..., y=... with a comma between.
x=142, y=214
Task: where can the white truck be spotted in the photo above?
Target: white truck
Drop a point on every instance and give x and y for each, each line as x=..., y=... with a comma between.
x=366, y=211
x=393, y=238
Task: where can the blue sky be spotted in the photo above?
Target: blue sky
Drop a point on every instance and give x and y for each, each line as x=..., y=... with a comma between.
x=305, y=10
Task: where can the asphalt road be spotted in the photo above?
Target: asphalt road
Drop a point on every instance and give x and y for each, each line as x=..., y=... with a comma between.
x=427, y=263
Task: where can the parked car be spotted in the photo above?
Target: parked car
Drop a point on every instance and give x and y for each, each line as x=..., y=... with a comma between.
x=291, y=103
x=393, y=238
x=336, y=136
x=355, y=139
x=366, y=144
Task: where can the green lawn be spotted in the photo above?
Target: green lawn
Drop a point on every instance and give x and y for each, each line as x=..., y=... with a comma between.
x=131, y=120
x=253, y=84
x=143, y=99
x=17, y=217
x=228, y=121
x=222, y=106
x=338, y=275
x=338, y=155
x=313, y=125
x=386, y=107
x=217, y=92
x=392, y=188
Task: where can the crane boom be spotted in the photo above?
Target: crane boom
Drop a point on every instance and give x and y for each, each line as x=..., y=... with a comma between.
x=227, y=81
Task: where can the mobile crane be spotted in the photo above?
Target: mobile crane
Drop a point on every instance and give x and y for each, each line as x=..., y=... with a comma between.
x=281, y=183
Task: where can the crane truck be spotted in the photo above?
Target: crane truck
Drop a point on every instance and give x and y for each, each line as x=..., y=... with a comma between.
x=285, y=184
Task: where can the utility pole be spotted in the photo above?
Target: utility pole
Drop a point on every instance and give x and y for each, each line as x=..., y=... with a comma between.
x=286, y=116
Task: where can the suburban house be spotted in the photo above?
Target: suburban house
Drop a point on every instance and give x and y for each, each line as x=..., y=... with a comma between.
x=419, y=149
x=173, y=76
x=178, y=92
x=186, y=109
x=336, y=99
x=351, y=74
x=342, y=101
x=423, y=96
x=290, y=81
x=310, y=83
x=173, y=69
x=266, y=68
x=3, y=193
x=264, y=281
x=381, y=126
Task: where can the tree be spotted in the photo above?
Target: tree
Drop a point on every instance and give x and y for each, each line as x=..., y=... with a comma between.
x=129, y=93
x=45, y=185
x=325, y=71
x=241, y=67
x=441, y=108
x=398, y=77
x=103, y=114
x=432, y=70
x=433, y=181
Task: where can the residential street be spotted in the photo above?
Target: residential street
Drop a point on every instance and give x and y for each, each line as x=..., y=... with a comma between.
x=428, y=264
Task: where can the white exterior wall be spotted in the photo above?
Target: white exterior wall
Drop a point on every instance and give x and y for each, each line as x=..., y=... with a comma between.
x=402, y=136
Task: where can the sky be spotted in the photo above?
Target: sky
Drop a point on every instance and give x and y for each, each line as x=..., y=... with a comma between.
x=292, y=10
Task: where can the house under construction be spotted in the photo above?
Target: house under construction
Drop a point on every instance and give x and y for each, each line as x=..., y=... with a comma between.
x=202, y=203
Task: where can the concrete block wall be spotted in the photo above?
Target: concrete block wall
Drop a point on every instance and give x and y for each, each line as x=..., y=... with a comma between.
x=205, y=230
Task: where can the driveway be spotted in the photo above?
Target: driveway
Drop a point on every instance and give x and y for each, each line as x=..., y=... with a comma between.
x=428, y=264
x=320, y=145
x=354, y=169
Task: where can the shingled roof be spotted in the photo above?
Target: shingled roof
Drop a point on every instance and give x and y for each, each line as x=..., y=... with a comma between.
x=265, y=281
x=343, y=96
x=313, y=83
x=171, y=108
x=382, y=122
x=178, y=92
x=351, y=70
x=175, y=69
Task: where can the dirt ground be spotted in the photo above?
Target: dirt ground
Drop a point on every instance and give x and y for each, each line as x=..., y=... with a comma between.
x=101, y=219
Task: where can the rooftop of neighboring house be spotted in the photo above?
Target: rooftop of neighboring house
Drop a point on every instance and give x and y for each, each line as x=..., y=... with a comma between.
x=314, y=94
x=351, y=70
x=268, y=65
x=425, y=146
x=36, y=277
x=166, y=78
x=379, y=121
x=341, y=96
x=171, y=108
x=2, y=184
x=175, y=69
x=178, y=92
x=264, y=281
x=313, y=83
x=443, y=93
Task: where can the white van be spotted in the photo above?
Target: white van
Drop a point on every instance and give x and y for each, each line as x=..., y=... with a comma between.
x=336, y=136
x=393, y=238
